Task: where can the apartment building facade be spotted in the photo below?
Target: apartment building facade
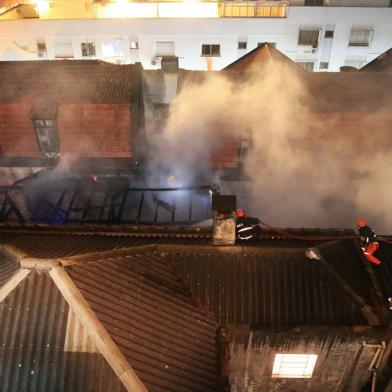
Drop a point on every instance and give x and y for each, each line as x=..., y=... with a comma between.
x=318, y=35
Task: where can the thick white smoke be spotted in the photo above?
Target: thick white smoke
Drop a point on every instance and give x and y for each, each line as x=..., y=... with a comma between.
x=296, y=179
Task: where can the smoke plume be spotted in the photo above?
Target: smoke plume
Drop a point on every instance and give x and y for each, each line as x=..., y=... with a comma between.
x=295, y=177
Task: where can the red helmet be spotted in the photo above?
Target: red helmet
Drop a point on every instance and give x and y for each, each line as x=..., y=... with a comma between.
x=361, y=222
x=240, y=213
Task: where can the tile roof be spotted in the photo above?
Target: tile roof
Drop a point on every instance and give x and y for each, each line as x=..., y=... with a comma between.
x=261, y=56
x=348, y=92
x=67, y=81
x=382, y=63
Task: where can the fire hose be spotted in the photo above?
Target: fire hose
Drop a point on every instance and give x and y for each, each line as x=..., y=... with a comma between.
x=315, y=238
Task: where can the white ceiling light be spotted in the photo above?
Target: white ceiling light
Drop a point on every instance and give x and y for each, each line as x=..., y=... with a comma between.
x=294, y=365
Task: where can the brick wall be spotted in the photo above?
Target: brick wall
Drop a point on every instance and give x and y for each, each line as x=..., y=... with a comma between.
x=95, y=130
x=85, y=130
x=17, y=135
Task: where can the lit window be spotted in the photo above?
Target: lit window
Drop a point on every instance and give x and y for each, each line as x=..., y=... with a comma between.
x=88, y=49
x=113, y=48
x=294, y=365
x=308, y=37
x=134, y=44
x=360, y=37
x=210, y=50
x=63, y=48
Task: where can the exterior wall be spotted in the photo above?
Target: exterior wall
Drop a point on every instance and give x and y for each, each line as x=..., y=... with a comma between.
x=95, y=130
x=18, y=137
x=84, y=130
x=18, y=43
x=342, y=363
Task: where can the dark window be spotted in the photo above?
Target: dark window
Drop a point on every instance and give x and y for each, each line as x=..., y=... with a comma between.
x=161, y=114
x=273, y=44
x=308, y=37
x=88, y=49
x=314, y=2
x=41, y=48
x=245, y=145
x=360, y=37
x=242, y=45
x=210, y=50
x=324, y=65
x=328, y=34
x=47, y=137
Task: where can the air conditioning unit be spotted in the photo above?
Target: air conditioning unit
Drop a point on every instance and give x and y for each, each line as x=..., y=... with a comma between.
x=156, y=61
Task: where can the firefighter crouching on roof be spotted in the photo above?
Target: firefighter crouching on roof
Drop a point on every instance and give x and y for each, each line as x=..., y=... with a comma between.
x=247, y=228
x=368, y=241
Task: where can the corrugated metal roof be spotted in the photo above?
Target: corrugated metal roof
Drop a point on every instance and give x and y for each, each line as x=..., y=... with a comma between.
x=279, y=287
x=8, y=266
x=33, y=321
x=169, y=342
x=67, y=244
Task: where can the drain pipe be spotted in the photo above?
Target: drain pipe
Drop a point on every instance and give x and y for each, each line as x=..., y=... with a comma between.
x=376, y=360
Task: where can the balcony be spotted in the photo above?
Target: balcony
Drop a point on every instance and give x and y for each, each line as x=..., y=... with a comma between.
x=120, y=9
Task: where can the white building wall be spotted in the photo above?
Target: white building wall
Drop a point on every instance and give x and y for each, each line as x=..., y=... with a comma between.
x=18, y=37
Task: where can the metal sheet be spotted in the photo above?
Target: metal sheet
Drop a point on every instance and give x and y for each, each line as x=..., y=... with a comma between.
x=33, y=322
x=169, y=342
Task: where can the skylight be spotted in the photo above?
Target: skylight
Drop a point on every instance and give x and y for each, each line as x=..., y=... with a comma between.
x=294, y=365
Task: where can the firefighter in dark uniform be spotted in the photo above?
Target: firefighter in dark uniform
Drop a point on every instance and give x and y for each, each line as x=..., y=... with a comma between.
x=247, y=228
x=368, y=241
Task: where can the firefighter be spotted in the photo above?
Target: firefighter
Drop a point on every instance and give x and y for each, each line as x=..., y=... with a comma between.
x=368, y=241
x=247, y=228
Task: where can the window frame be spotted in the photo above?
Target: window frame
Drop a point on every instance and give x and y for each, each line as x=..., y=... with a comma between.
x=329, y=33
x=86, y=46
x=359, y=43
x=211, y=48
x=42, y=50
x=53, y=144
x=282, y=369
x=324, y=65
x=242, y=45
x=312, y=43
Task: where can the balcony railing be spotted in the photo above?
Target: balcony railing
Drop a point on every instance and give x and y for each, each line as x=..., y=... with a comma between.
x=153, y=9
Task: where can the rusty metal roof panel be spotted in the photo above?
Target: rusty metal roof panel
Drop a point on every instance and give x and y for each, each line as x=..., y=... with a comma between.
x=8, y=266
x=280, y=287
x=33, y=323
x=167, y=339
